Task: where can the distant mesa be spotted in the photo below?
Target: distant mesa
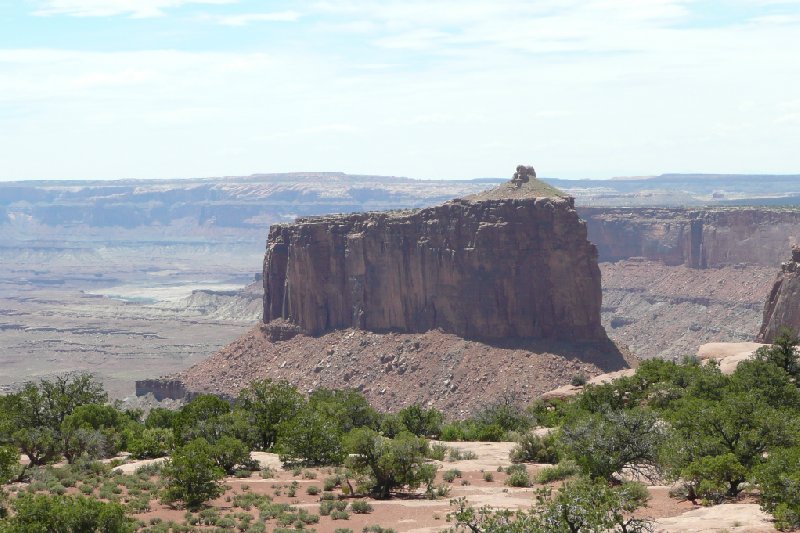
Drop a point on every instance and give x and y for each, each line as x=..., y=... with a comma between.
x=511, y=262
x=493, y=294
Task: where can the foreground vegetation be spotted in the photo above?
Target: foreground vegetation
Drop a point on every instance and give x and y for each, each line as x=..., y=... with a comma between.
x=714, y=436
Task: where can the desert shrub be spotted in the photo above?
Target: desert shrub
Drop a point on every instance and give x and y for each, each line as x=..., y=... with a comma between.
x=312, y=490
x=191, y=475
x=488, y=477
x=310, y=439
x=532, y=448
x=579, y=380
x=451, y=475
x=740, y=424
x=602, y=444
x=562, y=470
x=517, y=476
x=377, y=529
x=34, y=416
x=779, y=482
x=34, y=513
x=340, y=515
x=578, y=506
x=389, y=464
x=437, y=452
x=586, y=505
x=160, y=417
x=361, y=507
x=506, y=414
x=391, y=426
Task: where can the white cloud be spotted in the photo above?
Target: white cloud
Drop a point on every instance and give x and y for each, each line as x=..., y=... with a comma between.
x=426, y=89
x=106, y=8
x=247, y=18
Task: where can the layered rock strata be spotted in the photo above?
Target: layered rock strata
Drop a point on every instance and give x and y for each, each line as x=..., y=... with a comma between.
x=508, y=263
x=697, y=238
x=783, y=304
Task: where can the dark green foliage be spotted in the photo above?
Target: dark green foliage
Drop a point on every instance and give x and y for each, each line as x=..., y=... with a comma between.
x=310, y=439
x=66, y=514
x=741, y=424
x=160, y=418
x=347, y=406
x=150, y=443
x=779, y=480
x=202, y=418
x=269, y=404
x=389, y=463
x=191, y=475
x=35, y=414
x=229, y=453
x=713, y=477
x=604, y=443
x=783, y=353
x=420, y=421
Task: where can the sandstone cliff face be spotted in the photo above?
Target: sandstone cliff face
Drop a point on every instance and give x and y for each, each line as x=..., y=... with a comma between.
x=706, y=238
x=479, y=268
x=783, y=304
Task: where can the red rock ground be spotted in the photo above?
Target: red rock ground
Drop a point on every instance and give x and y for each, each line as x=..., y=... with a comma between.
x=394, y=370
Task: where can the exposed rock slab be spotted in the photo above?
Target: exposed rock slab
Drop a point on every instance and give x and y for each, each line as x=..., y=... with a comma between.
x=733, y=517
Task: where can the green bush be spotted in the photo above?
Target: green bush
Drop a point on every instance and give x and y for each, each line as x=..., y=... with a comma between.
x=532, y=448
x=192, y=475
x=34, y=513
x=150, y=443
x=361, y=507
x=310, y=439
x=389, y=464
x=420, y=421
x=711, y=478
x=267, y=405
x=779, y=482
x=517, y=476
x=562, y=470
x=604, y=443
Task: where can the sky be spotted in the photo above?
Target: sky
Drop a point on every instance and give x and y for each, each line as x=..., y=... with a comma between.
x=105, y=89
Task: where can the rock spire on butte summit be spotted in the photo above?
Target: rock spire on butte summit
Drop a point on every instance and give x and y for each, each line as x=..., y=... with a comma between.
x=511, y=262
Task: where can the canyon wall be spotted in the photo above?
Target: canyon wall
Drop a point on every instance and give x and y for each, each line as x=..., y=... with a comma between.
x=783, y=303
x=697, y=238
x=493, y=268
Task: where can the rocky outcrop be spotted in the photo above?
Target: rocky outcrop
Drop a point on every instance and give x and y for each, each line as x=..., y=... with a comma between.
x=783, y=304
x=509, y=263
x=697, y=238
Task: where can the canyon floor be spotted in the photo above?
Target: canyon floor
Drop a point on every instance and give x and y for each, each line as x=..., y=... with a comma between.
x=129, y=324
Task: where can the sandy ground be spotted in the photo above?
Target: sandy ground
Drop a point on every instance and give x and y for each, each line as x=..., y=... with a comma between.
x=414, y=514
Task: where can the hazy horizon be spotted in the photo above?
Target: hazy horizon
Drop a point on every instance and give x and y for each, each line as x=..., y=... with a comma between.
x=142, y=89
